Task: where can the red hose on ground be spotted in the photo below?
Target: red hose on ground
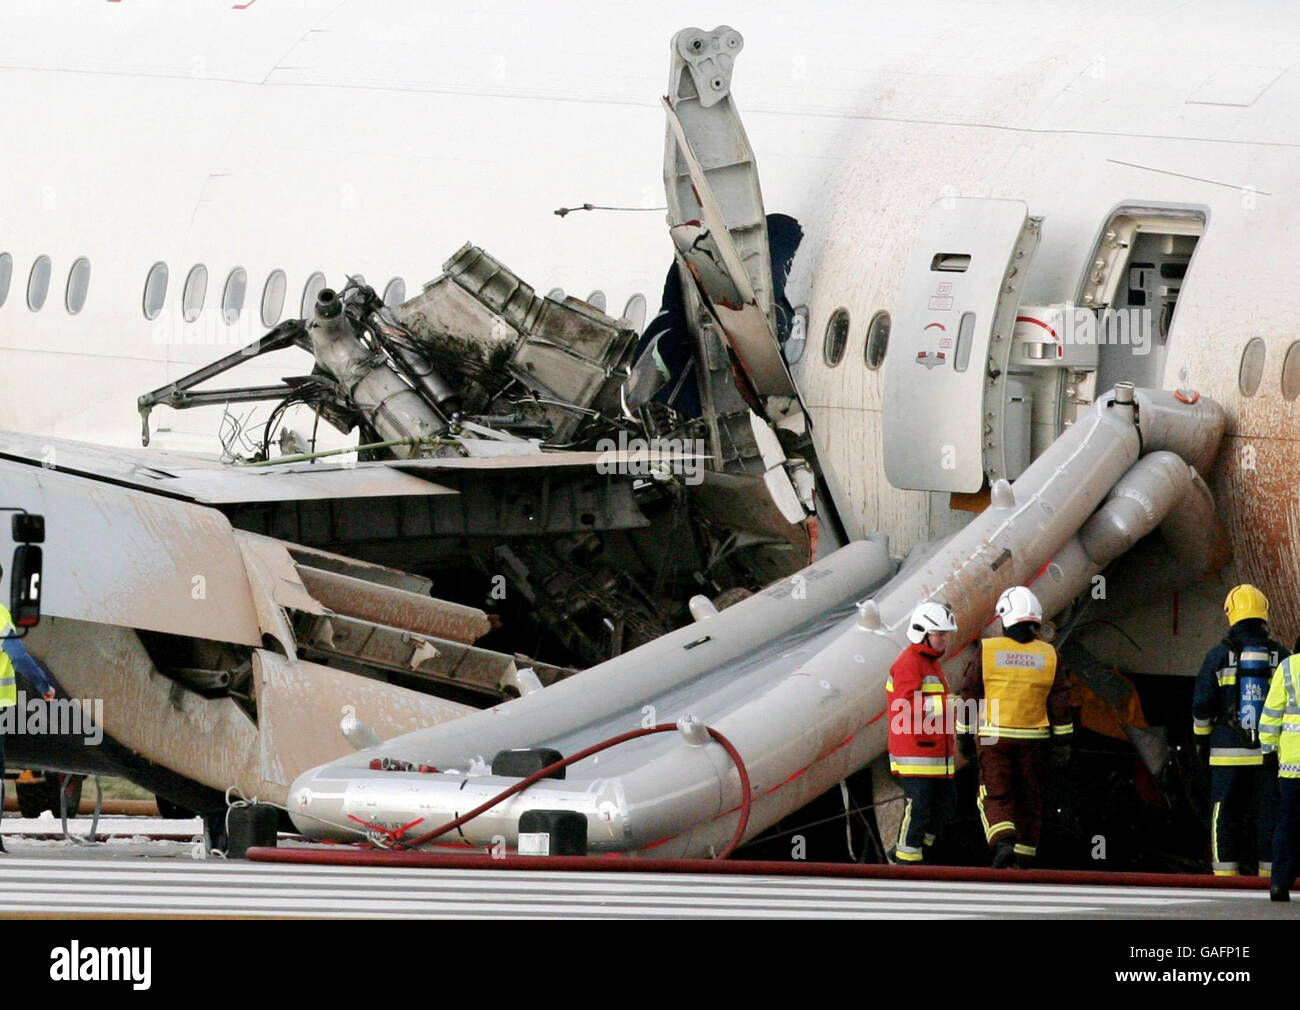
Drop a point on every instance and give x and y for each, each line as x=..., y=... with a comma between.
x=549, y=770
x=341, y=855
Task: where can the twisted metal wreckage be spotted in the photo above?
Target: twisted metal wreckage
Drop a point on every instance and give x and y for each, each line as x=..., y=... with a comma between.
x=527, y=454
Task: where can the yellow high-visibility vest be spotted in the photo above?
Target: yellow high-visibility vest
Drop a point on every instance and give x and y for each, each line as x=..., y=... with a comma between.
x=1279, y=725
x=1017, y=680
x=8, y=679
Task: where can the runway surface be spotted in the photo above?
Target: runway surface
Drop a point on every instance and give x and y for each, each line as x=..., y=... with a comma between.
x=164, y=879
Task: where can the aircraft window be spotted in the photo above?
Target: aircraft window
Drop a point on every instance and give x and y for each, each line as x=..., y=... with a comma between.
x=597, y=300
x=877, y=340
x=1291, y=372
x=232, y=299
x=155, y=290
x=634, y=311
x=395, y=293
x=196, y=291
x=6, y=275
x=837, y=337
x=1252, y=367
x=273, y=298
x=315, y=285
x=38, y=284
x=78, y=285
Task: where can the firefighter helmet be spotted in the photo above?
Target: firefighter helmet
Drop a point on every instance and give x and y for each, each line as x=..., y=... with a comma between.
x=1018, y=605
x=1245, y=601
x=927, y=617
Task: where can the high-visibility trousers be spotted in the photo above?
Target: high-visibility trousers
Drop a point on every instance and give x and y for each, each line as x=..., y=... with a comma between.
x=928, y=806
x=1012, y=774
x=1241, y=795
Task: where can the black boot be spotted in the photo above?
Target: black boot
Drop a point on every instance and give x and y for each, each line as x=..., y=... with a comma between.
x=1024, y=862
x=1278, y=891
x=1004, y=854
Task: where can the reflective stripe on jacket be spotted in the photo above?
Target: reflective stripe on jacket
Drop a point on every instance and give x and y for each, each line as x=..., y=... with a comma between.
x=8, y=676
x=920, y=731
x=1231, y=717
x=1025, y=695
x=1279, y=726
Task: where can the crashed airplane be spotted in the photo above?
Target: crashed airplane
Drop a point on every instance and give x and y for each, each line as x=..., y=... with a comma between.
x=721, y=517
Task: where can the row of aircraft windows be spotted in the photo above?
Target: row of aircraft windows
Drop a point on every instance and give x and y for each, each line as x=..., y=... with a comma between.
x=38, y=282
x=195, y=292
x=1251, y=371
x=837, y=340
x=192, y=297
x=234, y=292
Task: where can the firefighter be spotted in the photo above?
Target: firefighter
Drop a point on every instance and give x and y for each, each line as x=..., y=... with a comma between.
x=1227, y=705
x=921, y=745
x=1279, y=736
x=1024, y=724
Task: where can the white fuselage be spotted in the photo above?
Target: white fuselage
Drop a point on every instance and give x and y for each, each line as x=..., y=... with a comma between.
x=376, y=137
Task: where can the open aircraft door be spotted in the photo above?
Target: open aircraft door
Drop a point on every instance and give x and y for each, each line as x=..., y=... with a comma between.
x=952, y=415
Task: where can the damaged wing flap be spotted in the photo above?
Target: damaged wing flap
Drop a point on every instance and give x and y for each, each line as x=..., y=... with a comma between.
x=706, y=248
x=715, y=203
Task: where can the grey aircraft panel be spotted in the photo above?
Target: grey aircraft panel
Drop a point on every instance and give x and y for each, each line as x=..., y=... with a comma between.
x=207, y=480
x=116, y=555
x=210, y=481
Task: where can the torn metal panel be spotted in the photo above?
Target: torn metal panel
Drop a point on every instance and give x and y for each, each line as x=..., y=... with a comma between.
x=207, y=740
x=699, y=83
x=301, y=706
x=394, y=608
x=743, y=500
x=277, y=587
x=381, y=574
x=122, y=557
x=487, y=327
x=735, y=284
x=404, y=651
x=213, y=741
x=446, y=314
x=495, y=286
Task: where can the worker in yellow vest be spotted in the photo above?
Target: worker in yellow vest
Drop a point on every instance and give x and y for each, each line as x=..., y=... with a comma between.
x=1279, y=734
x=1023, y=701
x=14, y=660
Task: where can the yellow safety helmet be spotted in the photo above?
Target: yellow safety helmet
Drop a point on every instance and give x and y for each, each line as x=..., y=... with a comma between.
x=1243, y=602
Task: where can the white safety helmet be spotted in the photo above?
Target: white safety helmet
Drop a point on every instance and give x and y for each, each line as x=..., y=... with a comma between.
x=1018, y=605
x=927, y=617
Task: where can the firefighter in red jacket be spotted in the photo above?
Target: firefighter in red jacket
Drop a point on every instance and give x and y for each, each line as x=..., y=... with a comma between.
x=1024, y=722
x=921, y=743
